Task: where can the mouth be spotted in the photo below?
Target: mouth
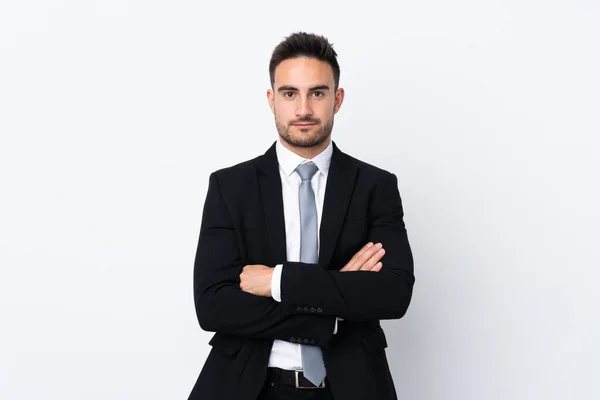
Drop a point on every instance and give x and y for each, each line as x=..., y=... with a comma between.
x=304, y=125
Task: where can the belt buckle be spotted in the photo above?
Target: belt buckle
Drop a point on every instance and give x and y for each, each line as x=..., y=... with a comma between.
x=297, y=372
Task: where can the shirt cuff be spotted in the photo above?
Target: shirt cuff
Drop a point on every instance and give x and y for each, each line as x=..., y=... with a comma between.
x=276, y=283
x=335, y=328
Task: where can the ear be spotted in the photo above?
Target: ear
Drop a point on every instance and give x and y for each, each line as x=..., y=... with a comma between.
x=339, y=99
x=271, y=98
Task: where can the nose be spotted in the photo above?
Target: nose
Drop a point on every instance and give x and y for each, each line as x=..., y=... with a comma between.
x=303, y=108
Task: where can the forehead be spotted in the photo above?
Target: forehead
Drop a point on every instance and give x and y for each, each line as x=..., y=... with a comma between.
x=303, y=71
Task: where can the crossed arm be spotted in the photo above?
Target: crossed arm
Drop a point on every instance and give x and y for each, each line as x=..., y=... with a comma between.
x=233, y=298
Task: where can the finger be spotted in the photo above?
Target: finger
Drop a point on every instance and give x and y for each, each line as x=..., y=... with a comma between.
x=354, y=263
x=375, y=259
x=377, y=267
x=366, y=255
x=370, y=258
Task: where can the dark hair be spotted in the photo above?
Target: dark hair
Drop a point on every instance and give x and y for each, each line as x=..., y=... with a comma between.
x=305, y=44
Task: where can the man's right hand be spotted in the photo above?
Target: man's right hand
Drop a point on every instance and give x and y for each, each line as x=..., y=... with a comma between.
x=367, y=259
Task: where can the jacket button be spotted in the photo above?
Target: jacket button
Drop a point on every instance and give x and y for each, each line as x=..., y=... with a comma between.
x=299, y=309
x=293, y=340
x=312, y=342
x=306, y=309
x=305, y=341
x=319, y=310
x=312, y=309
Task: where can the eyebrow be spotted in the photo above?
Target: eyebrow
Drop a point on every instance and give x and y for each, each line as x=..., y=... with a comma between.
x=319, y=87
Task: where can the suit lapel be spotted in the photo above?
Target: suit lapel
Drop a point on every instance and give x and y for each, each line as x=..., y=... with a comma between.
x=338, y=192
x=272, y=200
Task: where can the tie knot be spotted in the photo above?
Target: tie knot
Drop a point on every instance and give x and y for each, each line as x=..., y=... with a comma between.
x=307, y=171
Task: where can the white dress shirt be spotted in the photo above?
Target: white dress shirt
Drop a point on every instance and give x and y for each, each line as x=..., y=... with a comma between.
x=286, y=355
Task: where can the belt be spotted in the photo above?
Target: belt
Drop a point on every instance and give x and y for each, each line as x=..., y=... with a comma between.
x=291, y=378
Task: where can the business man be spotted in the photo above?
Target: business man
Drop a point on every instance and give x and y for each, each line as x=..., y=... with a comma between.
x=302, y=252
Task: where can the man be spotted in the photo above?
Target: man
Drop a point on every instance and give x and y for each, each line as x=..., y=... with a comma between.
x=302, y=252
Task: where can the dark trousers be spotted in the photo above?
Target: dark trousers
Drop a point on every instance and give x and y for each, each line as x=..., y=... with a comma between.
x=273, y=389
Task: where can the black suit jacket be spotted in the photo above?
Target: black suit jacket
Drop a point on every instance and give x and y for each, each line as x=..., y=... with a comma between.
x=243, y=223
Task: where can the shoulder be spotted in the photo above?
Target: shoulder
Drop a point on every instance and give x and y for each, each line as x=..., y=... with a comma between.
x=366, y=170
x=370, y=168
x=238, y=171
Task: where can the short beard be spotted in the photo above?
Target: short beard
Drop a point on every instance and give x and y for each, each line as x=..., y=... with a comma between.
x=316, y=139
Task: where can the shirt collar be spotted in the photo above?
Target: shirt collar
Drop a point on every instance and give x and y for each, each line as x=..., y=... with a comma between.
x=289, y=161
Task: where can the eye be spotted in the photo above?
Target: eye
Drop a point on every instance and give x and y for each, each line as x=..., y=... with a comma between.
x=288, y=95
x=318, y=93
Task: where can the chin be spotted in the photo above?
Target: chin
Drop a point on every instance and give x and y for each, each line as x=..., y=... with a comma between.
x=307, y=141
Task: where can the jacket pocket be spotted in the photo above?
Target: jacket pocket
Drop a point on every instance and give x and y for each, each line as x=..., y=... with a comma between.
x=226, y=344
x=375, y=341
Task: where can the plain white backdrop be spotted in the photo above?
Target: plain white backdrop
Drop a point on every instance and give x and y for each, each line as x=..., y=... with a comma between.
x=113, y=113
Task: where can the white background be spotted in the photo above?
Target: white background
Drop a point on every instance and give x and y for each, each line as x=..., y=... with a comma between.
x=114, y=113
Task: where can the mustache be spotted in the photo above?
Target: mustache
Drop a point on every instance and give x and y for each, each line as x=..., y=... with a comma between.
x=305, y=121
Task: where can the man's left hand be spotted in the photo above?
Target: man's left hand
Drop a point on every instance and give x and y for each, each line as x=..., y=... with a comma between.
x=256, y=280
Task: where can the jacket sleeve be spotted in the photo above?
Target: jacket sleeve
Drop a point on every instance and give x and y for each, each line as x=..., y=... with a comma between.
x=360, y=295
x=221, y=306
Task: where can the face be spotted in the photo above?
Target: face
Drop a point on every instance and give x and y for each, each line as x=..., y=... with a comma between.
x=304, y=101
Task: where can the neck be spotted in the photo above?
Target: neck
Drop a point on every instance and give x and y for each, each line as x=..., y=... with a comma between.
x=307, y=152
